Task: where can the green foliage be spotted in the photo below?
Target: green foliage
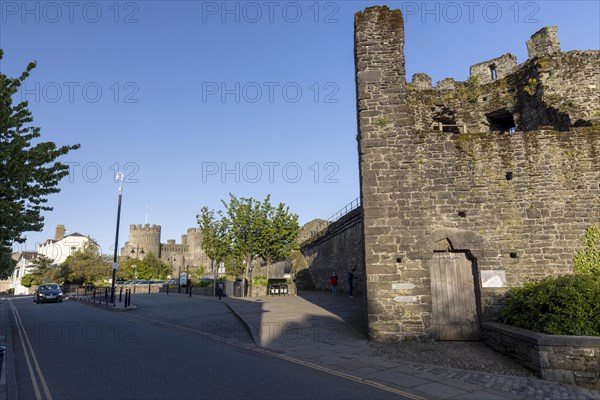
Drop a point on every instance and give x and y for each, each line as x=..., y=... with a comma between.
x=245, y=218
x=587, y=260
x=382, y=122
x=87, y=264
x=216, y=239
x=43, y=268
x=44, y=271
x=30, y=280
x=28, y=173
x=248, y=229
x=531, y=86
x=259, y=280
x=278, y=232
x=151, y=267
x=471, y=89
x=563, y=305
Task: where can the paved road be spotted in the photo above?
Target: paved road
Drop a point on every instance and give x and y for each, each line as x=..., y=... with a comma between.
x=168, y=348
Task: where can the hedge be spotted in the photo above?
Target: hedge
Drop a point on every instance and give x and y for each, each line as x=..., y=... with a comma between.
x=563, y=305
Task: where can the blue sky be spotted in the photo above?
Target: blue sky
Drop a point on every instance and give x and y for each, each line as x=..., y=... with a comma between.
x=192, y=100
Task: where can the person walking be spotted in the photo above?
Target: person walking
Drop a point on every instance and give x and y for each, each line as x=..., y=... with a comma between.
x=220, y=289
x=333, y=280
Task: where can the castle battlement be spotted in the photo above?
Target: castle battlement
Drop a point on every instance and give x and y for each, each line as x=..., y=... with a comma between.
x=144, y=228
x=541, y=44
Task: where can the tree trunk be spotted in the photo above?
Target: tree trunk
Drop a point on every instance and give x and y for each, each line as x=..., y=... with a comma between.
x=247, y=273
x=268, y=265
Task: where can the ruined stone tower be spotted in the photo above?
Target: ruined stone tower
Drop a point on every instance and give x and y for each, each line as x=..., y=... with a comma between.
x=469, y=188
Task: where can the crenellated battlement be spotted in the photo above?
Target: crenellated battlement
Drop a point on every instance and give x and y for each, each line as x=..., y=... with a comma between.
x=541, y=44
x=144, y=228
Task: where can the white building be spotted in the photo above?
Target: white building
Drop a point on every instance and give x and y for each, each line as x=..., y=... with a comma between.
x=23, y=267
x=61, y=247
x=57, y=249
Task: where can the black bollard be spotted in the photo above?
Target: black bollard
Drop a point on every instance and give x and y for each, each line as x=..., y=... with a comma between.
x=94, y=295
x=149, y=285
x=120, y=293
x=2, y=351
x=168, y=288
x=190, y=290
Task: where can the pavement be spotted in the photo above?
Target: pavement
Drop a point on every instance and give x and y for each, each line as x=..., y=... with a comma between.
x=326, y=332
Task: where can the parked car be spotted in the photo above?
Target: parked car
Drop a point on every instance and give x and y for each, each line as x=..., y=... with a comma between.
x=48, y=292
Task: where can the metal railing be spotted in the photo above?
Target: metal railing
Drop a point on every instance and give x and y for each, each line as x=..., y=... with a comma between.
x=354, y=204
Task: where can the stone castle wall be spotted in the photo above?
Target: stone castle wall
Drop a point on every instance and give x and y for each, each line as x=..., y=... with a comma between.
x=504, y=169
x=337, y=249
x=180, y=256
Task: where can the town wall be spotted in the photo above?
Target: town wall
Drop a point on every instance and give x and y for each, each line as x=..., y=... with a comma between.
x=505, y=168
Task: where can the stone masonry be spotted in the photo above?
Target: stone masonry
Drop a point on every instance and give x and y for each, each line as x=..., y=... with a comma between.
x=503, y=169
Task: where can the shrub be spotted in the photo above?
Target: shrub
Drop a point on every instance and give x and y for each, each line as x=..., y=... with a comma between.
x=259, y=280
x=563, y=305
x=203, y=283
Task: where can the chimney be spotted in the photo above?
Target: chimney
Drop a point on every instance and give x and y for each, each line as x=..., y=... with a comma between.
x=60, y=232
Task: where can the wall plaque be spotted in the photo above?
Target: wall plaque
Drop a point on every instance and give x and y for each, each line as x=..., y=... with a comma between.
x=493, y=279
x=406, y=299
x=402, y=286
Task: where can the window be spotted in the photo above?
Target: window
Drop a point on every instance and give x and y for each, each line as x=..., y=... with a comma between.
x=493, y=72
x=501, y=121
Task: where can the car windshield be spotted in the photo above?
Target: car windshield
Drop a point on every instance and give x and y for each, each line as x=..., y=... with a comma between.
x=49, y=287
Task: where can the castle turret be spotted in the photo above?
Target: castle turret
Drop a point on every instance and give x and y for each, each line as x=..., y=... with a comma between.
x=142, y=237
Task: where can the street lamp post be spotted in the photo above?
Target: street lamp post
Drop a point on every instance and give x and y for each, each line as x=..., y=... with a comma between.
x=137, y=250
x=115, y=265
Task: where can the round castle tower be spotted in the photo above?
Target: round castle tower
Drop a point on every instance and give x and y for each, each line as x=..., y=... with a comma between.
x=146, y=237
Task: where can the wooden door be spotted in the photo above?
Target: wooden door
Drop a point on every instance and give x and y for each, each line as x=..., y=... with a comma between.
x=454, y=306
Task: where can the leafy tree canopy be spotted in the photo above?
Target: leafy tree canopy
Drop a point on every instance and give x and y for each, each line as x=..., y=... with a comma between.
x=29, y=171
x=87, y=264
x=248, y=228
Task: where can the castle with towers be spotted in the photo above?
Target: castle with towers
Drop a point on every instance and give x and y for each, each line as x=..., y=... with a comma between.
x=145, y=239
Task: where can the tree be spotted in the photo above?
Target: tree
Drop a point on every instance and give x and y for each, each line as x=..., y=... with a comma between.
x=278, y=233
x=248, y=229
x=30, y=279
x=43, y=268
x=87, y=264
x=216, y=240
x=245, y=221
x=28, y=172
x=152, y=267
